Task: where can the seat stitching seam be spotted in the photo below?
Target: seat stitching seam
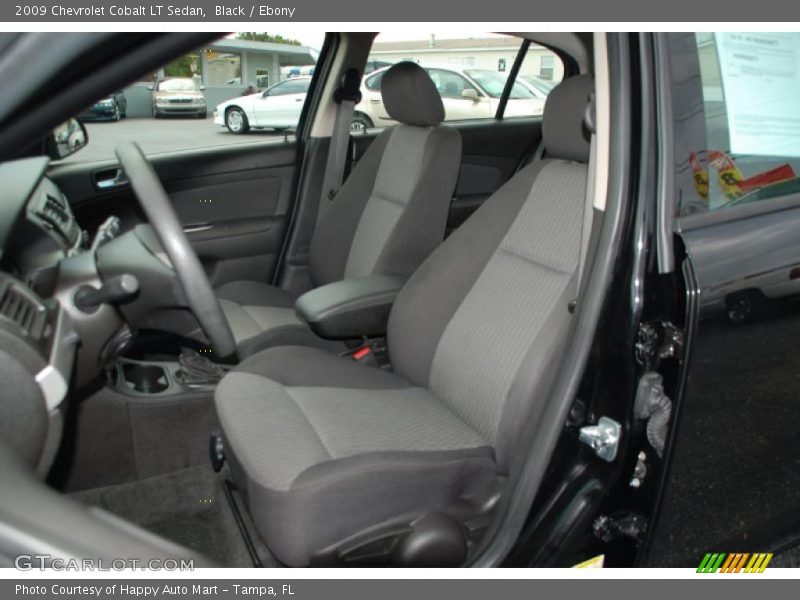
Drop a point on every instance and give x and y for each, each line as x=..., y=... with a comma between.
x=533, y=261
x=308, y=420
x=386, y=198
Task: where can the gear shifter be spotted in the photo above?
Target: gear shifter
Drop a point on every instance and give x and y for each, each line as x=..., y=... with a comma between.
x=198, y=370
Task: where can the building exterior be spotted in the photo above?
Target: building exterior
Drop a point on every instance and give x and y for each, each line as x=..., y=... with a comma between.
x=225, y=68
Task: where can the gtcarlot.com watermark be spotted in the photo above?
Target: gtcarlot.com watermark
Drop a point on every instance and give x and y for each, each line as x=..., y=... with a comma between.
x=46, y=562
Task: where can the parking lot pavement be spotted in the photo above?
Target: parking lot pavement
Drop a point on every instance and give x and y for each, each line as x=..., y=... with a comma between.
x=160, y=135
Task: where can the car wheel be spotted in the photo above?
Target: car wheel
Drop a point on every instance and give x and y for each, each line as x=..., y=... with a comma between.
x=361, y=123
x=202, y=115
x=236, y=121
x=117, y=114
x=156, y=114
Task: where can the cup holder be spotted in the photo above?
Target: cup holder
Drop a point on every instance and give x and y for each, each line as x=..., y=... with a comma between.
x=146, y=379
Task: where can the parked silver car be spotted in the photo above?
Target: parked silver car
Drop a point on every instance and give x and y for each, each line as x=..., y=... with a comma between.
x=179, y=96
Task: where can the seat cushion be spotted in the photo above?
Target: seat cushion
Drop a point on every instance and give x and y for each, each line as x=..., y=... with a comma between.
x=328, y=449
x=262, y=316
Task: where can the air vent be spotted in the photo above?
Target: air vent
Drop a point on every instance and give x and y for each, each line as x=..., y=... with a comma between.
x=55, y=209
x=22, y=309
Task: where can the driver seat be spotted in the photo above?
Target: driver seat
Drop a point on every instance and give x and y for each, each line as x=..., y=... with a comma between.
x=343, y=463
x=389, y=215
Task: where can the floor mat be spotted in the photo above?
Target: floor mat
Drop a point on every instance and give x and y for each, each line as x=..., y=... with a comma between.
x=188, y=507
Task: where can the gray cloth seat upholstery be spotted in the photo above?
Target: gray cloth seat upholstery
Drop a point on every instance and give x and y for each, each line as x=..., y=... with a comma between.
x=329, y=453
x=389, y=215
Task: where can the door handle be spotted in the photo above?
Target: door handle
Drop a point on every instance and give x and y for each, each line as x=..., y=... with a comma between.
x=109, y=179
x=195, y=227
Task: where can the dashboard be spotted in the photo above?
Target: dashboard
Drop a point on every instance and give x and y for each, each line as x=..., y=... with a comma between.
x=37, y=227
x=38, y=338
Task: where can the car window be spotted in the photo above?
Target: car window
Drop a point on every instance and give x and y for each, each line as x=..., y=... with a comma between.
x=540, y=71
x=450, y=84
x=293, y=86
x=374, y=82
x=481, y=63
x=178, y=85
x=737, y=125
x=495, y=83
x=191, y=101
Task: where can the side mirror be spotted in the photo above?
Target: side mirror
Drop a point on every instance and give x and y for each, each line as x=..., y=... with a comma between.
x=151, y=87
x=202, y=87
x=66, y=139
x=470, y=94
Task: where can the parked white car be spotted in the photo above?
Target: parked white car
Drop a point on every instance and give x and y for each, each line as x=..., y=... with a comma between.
x=278, y=107
x=466, y=93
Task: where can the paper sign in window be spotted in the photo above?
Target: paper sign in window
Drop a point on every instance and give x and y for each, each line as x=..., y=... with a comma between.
x=761, y=83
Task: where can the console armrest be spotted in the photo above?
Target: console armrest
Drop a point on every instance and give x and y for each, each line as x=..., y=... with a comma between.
x=350, y=308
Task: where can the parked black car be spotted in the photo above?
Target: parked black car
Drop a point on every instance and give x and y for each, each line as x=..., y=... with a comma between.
x=111, y=108
x=528, y=341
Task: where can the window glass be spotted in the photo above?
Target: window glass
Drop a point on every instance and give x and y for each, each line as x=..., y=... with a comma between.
x=374, y=82
x=737, y=123
x=541, y=70
x=293, y=86
x=470, y=72
x=547, y=67
x=189, y=101
x=177, y=85
x=450, y=84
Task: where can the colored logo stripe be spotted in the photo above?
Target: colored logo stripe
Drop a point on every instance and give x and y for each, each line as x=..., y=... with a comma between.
x=734, y=563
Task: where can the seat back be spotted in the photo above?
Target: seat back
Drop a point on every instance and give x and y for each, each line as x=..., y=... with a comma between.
x=482, y=321
x=391, y=212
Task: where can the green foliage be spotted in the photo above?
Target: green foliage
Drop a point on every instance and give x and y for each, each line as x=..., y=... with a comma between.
x=266, y=37
x=181, y=67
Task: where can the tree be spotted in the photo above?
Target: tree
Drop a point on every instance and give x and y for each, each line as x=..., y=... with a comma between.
x=182, y=67
x=267, y=37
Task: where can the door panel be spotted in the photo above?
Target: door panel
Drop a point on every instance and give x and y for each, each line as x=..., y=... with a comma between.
x=233, y=200
x=492, y=151
x=279, y=111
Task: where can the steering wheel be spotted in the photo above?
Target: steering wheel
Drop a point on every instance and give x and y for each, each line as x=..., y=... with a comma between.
x=158, y=209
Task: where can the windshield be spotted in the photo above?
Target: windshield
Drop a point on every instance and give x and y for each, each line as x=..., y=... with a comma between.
x=494, y=83
x=177, y=85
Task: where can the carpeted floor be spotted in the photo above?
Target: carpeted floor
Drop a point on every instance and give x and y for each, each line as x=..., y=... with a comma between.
x=188, y=507
x=146, y=460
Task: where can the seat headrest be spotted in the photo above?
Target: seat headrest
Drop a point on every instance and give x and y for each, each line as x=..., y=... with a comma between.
x=410, y=95
x=564, y=132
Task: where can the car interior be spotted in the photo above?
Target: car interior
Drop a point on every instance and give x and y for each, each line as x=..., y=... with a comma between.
x=239, y=355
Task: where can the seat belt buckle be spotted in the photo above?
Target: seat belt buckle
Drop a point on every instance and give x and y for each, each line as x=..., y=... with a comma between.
x=365, y=356
x=372, y=353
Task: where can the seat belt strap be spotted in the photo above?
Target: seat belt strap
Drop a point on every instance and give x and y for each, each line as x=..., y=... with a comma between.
x=588, y=208
x=346, y=97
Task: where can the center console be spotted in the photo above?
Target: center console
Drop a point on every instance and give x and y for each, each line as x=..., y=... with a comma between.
x=149, y=378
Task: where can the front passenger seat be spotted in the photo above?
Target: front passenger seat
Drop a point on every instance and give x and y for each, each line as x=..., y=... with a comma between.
x=389, y=215
x=341, y=463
